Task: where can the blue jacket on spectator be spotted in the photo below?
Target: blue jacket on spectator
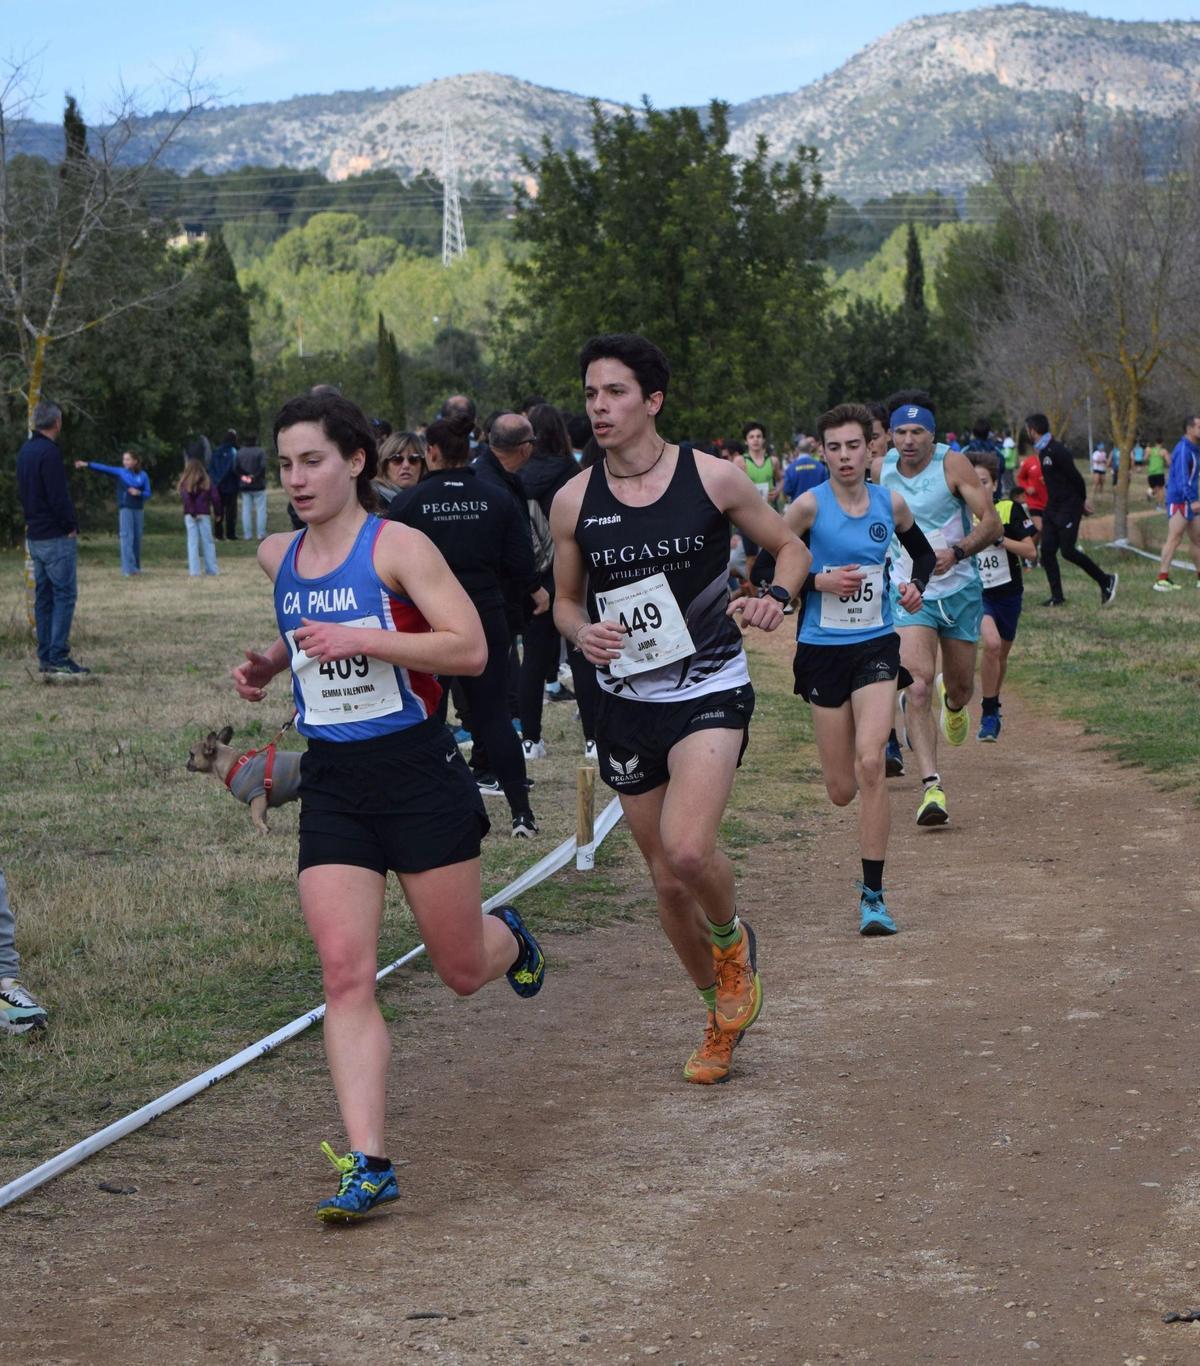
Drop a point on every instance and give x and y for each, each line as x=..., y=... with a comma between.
x=126, y=479
x=1183, y=477
x=804, y=473
x=222, y=471
x=42, y=485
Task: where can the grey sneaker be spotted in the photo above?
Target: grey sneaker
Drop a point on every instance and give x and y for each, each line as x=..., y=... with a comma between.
x=19, y=1012
x=69, y=669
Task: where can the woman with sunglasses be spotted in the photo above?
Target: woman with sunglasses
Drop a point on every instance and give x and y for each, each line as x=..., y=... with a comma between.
x=401, y=465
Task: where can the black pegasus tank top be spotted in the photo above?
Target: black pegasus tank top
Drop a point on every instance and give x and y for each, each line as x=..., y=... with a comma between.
x=649, y=567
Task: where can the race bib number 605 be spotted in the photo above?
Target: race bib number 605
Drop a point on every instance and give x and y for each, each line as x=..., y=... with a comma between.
x=861, y=609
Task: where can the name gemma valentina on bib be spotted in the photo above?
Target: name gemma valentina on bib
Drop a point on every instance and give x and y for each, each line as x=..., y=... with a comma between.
x=341, y=690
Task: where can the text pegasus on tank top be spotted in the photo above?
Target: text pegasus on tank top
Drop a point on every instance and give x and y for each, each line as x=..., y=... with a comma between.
x=941, y=515
x=663, y=570
x=360, y=698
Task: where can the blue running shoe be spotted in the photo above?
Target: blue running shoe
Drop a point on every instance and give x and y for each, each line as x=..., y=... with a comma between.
x=462, y=736
x=529, y=971
x=359, y=1191
x=875, y=917
x=893, y=760
x=989, y=727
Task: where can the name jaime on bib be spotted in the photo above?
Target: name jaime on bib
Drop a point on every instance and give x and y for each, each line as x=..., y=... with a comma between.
x=320, y=600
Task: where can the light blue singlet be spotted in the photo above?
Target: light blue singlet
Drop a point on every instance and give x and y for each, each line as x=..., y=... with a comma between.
x=836, y=539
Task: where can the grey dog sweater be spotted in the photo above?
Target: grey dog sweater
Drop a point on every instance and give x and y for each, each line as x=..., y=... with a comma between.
x=249, y=782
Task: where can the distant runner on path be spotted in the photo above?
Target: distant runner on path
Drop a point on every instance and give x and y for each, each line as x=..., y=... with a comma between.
x=847, y=652
x=641, y=571
x=1003, y=590
x=1066, y=506
x=943, y=492
x=1183, y=492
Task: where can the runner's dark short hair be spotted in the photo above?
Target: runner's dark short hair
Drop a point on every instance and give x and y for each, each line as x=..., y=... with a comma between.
x=842, y=416
x=908, y=398
x=986, y=460
x=1039, y=422
x=344, y=423
x=754, y=427
x=647, y=362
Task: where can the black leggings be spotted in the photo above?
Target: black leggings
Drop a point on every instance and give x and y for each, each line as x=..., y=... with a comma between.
x=225, y=524
x=540, y=651
x=587, y=691
x=486, y=699
x=1060, y=536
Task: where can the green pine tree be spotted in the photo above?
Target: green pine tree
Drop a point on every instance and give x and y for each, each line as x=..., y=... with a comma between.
x=914, y=276
x=389, y=376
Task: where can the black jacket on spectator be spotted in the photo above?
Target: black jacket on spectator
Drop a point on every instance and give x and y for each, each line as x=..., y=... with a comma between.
x=42, y=485
x=251, y=465
x=1066, y=492
x=544, y=475
x=478, y=528
x=489, y=467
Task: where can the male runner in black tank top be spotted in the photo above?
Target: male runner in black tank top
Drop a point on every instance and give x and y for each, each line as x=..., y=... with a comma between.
x=641, y=570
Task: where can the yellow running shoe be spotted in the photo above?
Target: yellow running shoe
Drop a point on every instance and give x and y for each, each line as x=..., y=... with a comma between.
x=739, y=987
x=710, y=1063
x=954, y=724
x=932, y=810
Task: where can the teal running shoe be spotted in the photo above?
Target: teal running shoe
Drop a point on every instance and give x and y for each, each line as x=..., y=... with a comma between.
x=529, y=971
x=989, y=726
x=359, y=1191
x=874, y=914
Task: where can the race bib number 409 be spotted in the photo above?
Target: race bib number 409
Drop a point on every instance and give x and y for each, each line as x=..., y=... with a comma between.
x=343, y=690
x=656, y=632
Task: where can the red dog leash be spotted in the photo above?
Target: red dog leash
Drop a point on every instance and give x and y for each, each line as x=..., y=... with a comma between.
x=269, y=750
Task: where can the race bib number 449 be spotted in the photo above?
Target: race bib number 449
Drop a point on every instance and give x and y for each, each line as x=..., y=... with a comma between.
x=656, y=632
x=343, y=690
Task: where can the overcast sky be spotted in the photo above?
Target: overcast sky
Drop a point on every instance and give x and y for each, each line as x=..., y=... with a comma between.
x=675, y=51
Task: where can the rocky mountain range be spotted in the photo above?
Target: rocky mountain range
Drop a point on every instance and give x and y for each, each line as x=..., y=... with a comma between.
x=907, y=112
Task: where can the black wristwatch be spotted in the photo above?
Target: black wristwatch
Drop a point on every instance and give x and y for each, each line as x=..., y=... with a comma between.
x=779, y=593
x=959, y=553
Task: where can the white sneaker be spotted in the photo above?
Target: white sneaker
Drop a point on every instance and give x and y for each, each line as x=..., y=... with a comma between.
x=19, y=1012
x=534, y=749
x=589, y=750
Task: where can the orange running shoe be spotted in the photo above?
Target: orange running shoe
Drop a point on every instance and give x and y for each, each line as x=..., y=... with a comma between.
x=710, y=1062
x=739, y=987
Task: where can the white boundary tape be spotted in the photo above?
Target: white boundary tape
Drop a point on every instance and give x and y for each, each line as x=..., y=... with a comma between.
x=1145, y=554
x=85, y=1148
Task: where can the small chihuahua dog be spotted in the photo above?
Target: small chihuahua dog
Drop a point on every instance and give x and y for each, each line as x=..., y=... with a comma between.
x=246, y=777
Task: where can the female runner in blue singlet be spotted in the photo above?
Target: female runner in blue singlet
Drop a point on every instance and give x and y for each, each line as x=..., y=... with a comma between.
x=368, y=612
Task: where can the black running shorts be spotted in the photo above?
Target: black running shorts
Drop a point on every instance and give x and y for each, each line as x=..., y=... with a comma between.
x=405, y=802
x=826, y=675
x=634, y=738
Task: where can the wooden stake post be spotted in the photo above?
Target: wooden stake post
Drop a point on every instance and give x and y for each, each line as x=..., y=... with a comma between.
x=585, y=818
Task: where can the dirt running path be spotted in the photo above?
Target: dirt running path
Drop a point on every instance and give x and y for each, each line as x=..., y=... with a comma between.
x=977, y=1142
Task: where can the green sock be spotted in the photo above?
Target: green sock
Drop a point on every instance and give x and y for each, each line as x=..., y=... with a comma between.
x=709, y=996
x=724, y=935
